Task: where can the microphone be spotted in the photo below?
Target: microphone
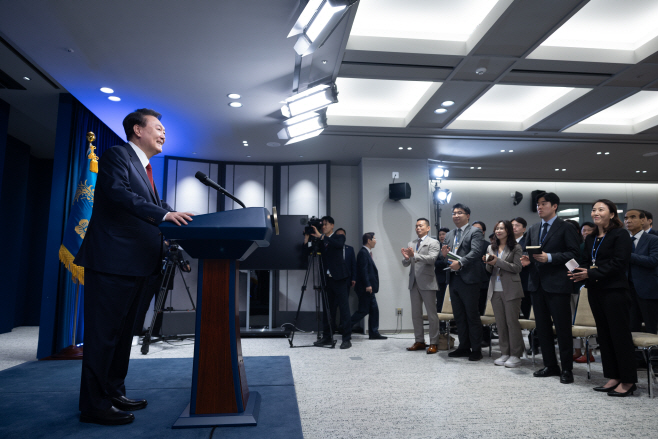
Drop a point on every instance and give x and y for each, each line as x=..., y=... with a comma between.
x=203, y=178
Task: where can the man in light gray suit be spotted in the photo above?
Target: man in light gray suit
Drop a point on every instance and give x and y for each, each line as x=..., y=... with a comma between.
x=464, y=279
x=420, y=254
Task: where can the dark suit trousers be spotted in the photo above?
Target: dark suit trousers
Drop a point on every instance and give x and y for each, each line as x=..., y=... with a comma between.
x=465, y=298
x=558, y=307
x=610, y=310
x=367, y=306
x=643, y=310
x=337, y=296
x=111, y=305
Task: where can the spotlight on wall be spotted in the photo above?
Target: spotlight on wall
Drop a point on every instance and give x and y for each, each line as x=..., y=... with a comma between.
x=303, y=127
x=442, y=196
x=316, y=22
x=518, y=196
x=440, y=172
x=313, y=99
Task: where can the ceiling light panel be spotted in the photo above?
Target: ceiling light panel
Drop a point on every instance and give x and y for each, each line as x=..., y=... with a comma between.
x=378, y=102
x=449, y=27
x=630, y=116
x=515, y=107
x=614, y=31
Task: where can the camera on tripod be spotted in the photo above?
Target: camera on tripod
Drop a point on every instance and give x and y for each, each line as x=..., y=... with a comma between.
x=308, y=229
x=175, y=255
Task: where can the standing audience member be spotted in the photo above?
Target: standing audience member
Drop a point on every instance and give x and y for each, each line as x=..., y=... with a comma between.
x=648, y=225
x=550, y=286
x=484, y=286
x=350, y=260
x=464, y=280
x=586, y=229
x=367, y=285
x=643, y=274
x=608, y=252
x=578, y=355
x=420, y=254
x=505, y=292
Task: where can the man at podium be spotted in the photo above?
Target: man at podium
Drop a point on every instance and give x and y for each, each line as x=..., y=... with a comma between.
x=121, y=250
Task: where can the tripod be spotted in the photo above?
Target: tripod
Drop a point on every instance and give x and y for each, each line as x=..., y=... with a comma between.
x=316, y=269
x=172, y=262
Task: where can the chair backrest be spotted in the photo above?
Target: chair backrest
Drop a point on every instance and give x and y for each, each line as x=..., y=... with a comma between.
x=489, y=310
x=447, y=306
x=584, y=316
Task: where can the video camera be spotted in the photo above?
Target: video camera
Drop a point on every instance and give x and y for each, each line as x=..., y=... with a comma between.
x=312, y=222
x=175, y=256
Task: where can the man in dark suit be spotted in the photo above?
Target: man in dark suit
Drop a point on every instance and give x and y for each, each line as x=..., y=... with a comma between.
x=648, y=224
x=350, y=260
x=336, y=276
x=464, y=279
x=439, y=265
x=122, y=249
x=367, y=285
x=484, y=286
x=643, y=274
x=550, y=286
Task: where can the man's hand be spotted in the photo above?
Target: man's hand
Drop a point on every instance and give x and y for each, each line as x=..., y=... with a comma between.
x=578, y=274
x=444, y=250
x=369, y=290
x=455, y=266
x=404, y=253
x=316, y=234
x=353, y=283
x=541, y=257
x=179, y=218
x=411, y=252
x=525, y=260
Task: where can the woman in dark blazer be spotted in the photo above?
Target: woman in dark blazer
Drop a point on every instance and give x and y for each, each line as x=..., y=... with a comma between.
x=607, y=255
x=506, y=292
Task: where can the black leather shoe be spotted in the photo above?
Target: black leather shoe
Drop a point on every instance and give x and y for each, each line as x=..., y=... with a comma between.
x=323, y=342
x=566, y=377
x=629, y=392
x=475, y=356
x=128, y=405
x=552, y=371
x=604, y=389
x=377, y=337
x=457, y=353
x=111, y=416
x=346, y=344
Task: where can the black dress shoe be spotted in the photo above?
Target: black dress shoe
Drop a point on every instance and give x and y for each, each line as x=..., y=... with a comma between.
x=128, y=405
x=604, y=389
x=552, y=371
x=460, y=353
x=377, y=337
x=111, y=416
x=323, y=342
x=566, y=377
x=346, y=344
x=475, y=356
x=629, y=392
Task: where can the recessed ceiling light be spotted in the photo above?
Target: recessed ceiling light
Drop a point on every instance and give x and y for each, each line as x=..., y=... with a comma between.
x=235, y=104
x=502, y=150
x=107, y=90
x=479, y=167
x=637, y=172
x=481, y=71
x=233, y=96
x=27, y=78
x=511, y=150
x=114, y=98
x=248, y=156
x=557, y=169
x=447, y=103
x=409, y=148
x=564, y=169
x=644, y=172
x=472, y=167
x=598, y=153
x=607, y=153
x=194, y=153
x=440, y=111
x=301, y=156
x=245, y=141
x=245, y=144
x=400, y=148
x=273, y=144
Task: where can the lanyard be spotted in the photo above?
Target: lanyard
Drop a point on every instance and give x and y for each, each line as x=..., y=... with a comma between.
x=594, y=253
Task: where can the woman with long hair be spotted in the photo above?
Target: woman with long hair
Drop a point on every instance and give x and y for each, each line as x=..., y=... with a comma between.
x=503, y=261
x=606, y=258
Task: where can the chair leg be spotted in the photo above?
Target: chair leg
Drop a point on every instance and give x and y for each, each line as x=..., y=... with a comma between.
x=532, y=345
x=589, y=366
x=649, y=372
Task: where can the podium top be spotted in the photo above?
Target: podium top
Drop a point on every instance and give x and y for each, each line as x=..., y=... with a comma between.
x=232, y=234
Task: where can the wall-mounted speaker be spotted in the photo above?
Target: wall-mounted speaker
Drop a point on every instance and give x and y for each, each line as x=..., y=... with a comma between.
x=399, y=191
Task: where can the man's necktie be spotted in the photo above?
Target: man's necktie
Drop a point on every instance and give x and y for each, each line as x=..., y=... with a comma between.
x=458, y=237
x=543, y=233
x=149, y=173
x=630, y=272
x=418, y=245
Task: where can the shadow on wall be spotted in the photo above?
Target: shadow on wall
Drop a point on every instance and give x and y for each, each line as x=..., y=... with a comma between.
x=398, y=223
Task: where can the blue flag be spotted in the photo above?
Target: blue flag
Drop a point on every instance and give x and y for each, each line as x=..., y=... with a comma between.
x=83, y=202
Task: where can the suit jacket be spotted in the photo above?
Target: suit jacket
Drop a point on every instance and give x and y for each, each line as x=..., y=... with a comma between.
x=122, y=236
x=612, y=260
x=486, y=274
x=332, y=256
x=350, y=260
x=563, y=243
x=525, y=272
x=470, y=250
x=366, y=272
x=508, y=267
x=644, y=267
x=422, y=263
x=652, y=232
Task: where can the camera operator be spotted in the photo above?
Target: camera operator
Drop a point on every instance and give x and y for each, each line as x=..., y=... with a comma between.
x=336, y=275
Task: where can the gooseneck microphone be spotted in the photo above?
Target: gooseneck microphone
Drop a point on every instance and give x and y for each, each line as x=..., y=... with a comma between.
x=203, y=178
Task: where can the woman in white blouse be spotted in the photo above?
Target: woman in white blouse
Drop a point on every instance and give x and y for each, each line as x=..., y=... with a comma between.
x=505, y=292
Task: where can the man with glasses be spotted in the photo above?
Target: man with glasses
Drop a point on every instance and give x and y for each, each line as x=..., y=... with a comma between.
x=464, y=279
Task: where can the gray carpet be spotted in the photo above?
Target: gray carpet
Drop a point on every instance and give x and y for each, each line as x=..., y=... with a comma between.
x=378, y=389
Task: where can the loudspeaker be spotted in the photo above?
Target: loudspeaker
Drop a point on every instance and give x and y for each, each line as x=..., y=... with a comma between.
x=178, y=323
x=535, y=194
x=399, y=191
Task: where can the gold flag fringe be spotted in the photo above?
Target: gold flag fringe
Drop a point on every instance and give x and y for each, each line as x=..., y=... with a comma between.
x=77, y=272
x=93, y=164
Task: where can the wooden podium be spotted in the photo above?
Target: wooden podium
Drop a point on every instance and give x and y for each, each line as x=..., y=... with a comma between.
x=220, y=395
